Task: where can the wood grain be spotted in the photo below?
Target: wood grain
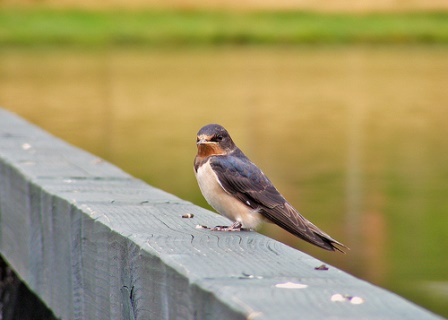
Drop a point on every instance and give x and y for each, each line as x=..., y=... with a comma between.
x=95, y=243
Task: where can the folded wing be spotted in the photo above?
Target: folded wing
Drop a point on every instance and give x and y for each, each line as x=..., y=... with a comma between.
x=243, y=179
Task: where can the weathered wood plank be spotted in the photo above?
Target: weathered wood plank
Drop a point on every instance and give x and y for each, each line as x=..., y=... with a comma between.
x=95, y=243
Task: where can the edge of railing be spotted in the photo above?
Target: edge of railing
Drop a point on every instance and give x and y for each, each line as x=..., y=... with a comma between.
x=92, y=242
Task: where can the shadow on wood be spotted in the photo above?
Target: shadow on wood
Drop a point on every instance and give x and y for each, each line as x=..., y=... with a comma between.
x=17, y=301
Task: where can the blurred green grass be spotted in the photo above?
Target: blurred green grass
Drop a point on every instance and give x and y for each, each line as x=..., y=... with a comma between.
x=28, y=27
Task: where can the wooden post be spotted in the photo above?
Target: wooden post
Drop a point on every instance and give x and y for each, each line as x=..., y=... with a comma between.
x=95, y=243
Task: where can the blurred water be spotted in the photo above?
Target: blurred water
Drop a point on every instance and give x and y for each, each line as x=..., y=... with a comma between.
x=356, y=138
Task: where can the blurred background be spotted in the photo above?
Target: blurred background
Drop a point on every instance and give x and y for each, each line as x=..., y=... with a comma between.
x=344, y=106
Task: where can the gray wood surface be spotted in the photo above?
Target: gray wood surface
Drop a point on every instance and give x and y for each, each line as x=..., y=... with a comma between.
x=96, y=243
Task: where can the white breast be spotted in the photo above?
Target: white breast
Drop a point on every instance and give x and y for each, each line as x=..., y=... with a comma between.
x=223, y=202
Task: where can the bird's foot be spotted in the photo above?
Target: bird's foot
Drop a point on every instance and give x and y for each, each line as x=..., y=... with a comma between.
x=237, y=226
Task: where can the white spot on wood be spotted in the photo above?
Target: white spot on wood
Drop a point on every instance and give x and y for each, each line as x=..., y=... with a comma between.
x=357, y=300
x=343, y=298
x=26, y=146
x=254, y=315
x=250, y=276
x=291, y=285
x=338, y=298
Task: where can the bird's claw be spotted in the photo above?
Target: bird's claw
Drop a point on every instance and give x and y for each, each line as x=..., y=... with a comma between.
x=225, y=228
x=237, y=226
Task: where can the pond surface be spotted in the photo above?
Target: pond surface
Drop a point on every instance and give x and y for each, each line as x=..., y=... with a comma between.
x=356, y=137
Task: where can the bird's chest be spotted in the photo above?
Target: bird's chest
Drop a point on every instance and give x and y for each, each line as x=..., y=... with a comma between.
x=222, y=201
x=210, y=187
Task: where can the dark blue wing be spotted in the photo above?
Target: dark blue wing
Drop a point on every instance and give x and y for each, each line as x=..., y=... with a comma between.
x=241, y=178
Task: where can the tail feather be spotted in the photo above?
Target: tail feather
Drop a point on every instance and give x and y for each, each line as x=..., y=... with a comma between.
x=292, y=221
x=323, y=240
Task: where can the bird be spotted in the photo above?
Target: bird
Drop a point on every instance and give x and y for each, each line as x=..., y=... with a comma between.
x=238, y=190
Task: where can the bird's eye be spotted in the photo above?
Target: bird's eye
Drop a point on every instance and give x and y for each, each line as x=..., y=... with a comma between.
x=218, y=137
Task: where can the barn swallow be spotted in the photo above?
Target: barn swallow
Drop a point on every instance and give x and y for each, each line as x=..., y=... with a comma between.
x=236, y=188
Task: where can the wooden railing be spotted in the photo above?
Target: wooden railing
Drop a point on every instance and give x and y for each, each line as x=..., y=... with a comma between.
x=92, y=242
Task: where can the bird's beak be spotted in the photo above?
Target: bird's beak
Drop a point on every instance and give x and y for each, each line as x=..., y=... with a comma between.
x=203, y=140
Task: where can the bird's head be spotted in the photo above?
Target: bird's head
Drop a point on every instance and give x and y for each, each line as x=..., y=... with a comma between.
x=214, y=139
